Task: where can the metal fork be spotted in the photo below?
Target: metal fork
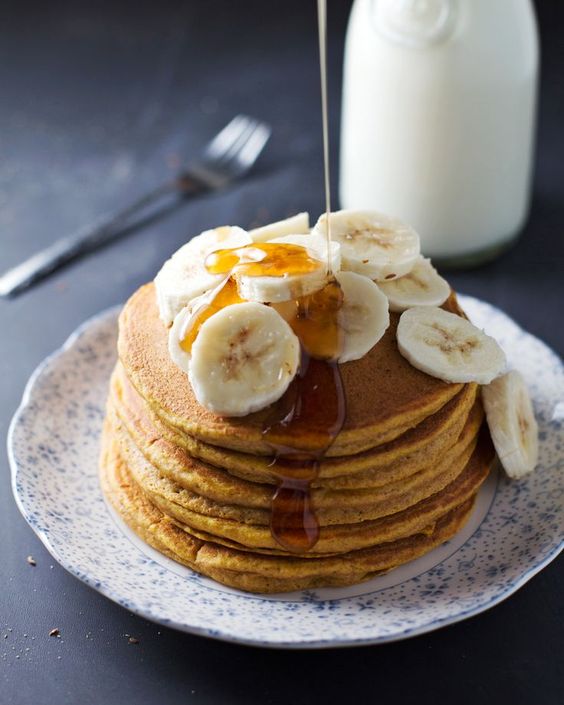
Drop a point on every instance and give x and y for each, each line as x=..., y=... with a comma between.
x=228, y=156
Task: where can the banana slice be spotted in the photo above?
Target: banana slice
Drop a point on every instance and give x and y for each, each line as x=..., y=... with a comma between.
x=243, y=359
x=177, y=332
x=422, y=286
x=512, y=424
x=184, y=276
x=182, y=323
x=364, y=315
x=447, y=346
x=274, y=289
x=187, y=323
x=373, y=244
x=296, y=225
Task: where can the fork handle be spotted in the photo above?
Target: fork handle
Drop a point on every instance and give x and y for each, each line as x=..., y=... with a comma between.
x=109, y=227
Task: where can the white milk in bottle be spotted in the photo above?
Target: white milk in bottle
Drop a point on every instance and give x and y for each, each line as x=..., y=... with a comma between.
x=438, y=119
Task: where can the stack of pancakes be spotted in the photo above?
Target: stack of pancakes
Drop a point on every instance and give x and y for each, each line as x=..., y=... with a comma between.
x=399, y=479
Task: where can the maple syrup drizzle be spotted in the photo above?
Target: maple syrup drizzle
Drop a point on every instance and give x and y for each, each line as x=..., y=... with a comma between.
x=322, y=30
x=308, y=418
x=263, y=260
x=315, y=320
x=301, y=428
x=305, y=421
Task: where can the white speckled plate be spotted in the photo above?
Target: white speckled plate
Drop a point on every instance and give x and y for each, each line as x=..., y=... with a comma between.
x=515, y=530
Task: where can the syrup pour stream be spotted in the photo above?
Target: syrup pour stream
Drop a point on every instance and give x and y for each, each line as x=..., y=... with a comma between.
x=308, y=418
x=304, y=423
x=322, y=30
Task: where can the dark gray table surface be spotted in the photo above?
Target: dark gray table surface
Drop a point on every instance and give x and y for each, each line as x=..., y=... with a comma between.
x=99, y=101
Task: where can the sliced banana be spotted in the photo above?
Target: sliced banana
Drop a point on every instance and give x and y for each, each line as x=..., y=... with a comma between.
x=274, y=289
x=512, y=424
x=243, y=359
x=177, y=332
x=296, y=225
x=373, y=244
x=184, y=276
x=422, y=286
x=364, y=315
x=182, y=323
x=447, y=346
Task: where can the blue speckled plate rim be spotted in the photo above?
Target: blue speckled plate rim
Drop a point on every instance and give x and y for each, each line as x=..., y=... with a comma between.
x=217, y=633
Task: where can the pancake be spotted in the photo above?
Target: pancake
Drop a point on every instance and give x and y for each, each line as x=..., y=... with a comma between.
x=399, y=479
x=184, y=479
x=385, y=394
x=432, y=438
x=249, y=527
x=259, y=573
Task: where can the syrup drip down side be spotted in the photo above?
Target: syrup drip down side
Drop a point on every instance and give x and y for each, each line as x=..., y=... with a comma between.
x=307, y=418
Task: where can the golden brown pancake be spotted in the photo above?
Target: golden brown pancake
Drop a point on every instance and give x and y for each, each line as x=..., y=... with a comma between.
x=417, y=447
x=385, y=394
x=255, y=572
x=189, y=480
x=249, y=527
x=398, y=480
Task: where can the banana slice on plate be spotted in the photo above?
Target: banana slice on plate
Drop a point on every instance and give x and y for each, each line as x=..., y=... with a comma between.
x=422, y=286
x=373, y=244
x=184, y=276
x=364, y=315
x=274, y=289
x=296, y=225
x=447, y=346
x=512, y=423
x=243, y=359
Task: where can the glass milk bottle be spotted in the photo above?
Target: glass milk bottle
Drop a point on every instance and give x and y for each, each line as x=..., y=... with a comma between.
x=438, y=119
